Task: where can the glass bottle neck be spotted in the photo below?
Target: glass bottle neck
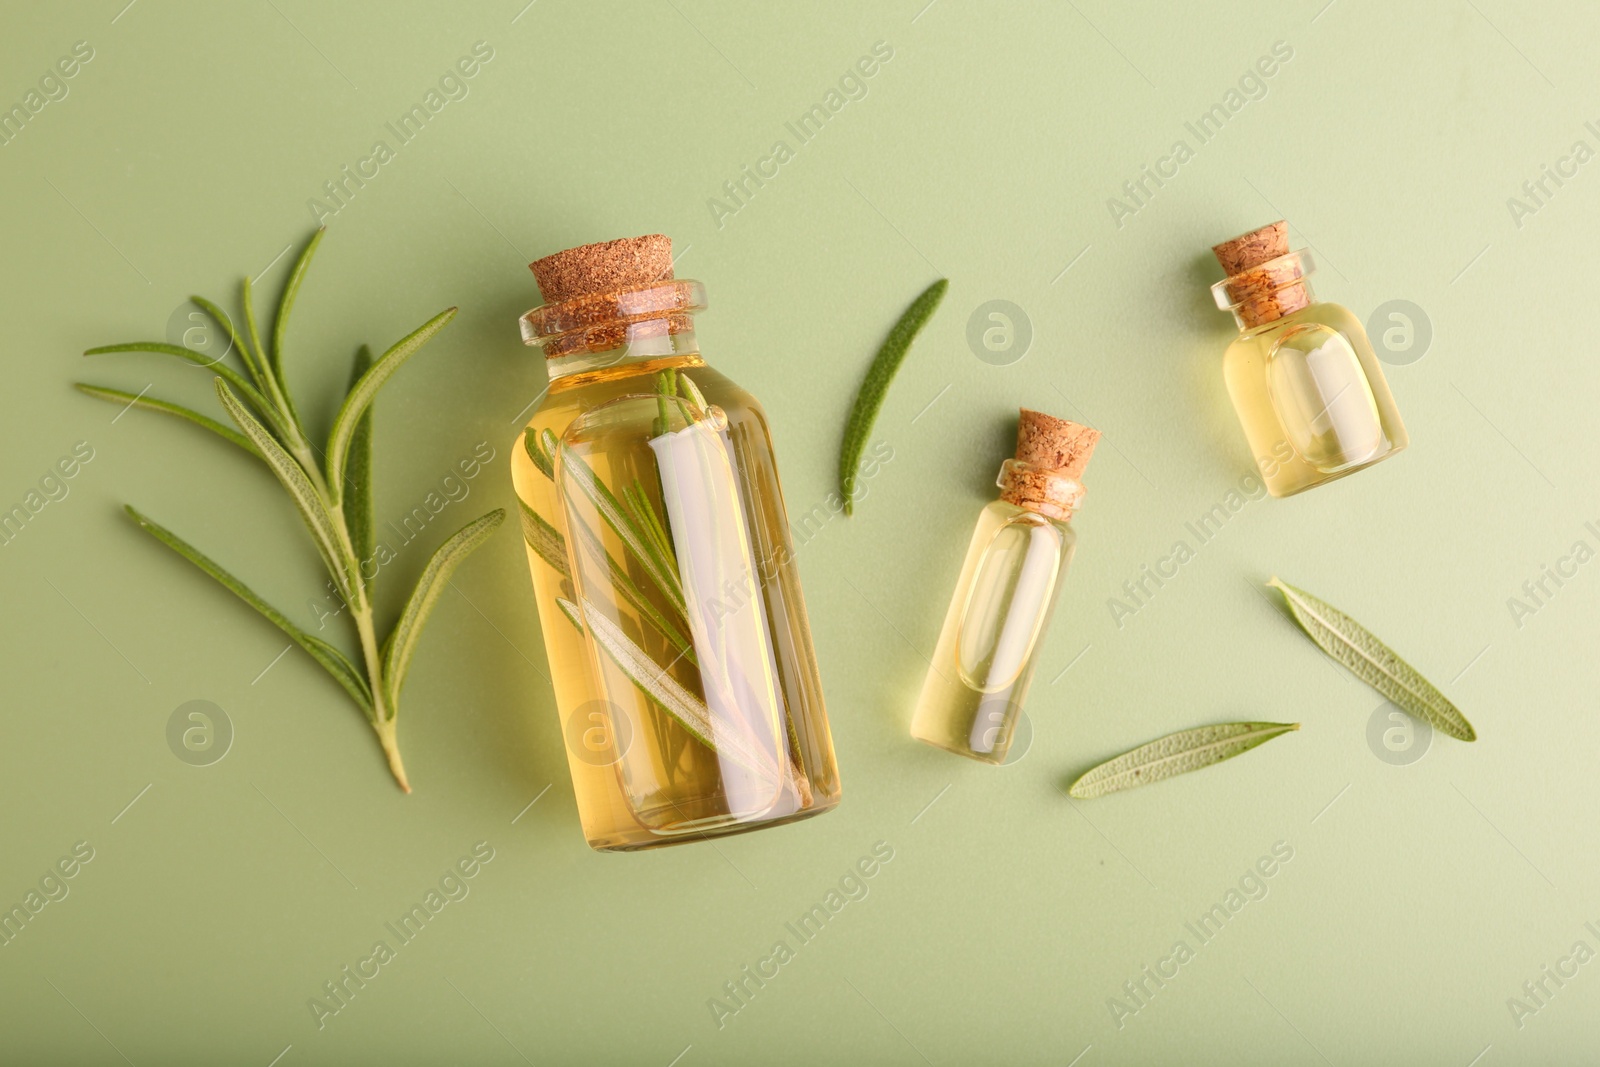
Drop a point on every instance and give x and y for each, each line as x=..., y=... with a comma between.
x=640, y=356
x=594, y=334
x=1265, y=292
x=1252, y=319
x=1050, y=493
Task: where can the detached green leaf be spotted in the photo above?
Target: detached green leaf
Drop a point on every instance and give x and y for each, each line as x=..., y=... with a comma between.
x=358, y=473
x=117, y=396
x=402, y=641
x=305, y=496
x=1374, y=662
x=362, y=393
x=1178, y=753
x=333, y=661
x=876, y=385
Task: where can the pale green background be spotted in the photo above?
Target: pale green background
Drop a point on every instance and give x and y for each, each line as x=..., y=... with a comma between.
x=985, y=151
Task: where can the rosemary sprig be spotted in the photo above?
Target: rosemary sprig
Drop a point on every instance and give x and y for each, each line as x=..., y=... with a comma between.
x=643, y=534
x=1368, y=658
x=640, y=545
x=1178, y=753
x=655, y=683
x=876, y=385
x=334, y=497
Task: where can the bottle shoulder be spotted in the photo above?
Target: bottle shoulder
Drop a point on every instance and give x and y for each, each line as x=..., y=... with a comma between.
x=1000, y=514
x=1322, y=313
x=1252, y=346
x=567, y=398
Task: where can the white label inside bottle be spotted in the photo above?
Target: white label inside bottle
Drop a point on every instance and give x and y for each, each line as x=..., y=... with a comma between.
x=1323, y=399
x=1010, y=593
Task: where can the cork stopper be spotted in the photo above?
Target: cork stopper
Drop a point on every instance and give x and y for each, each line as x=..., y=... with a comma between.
x=1264, y=281
x=608, y=295
x=626, y=263
x=1046, y=475
x=1254, y=248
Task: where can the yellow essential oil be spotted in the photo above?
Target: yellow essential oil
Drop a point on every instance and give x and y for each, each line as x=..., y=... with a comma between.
x=679, y=649
x=1302, y=375
x=1007, y=592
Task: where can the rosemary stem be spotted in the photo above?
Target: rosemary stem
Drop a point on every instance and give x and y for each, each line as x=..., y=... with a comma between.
x=391, y=750
x=384, y=711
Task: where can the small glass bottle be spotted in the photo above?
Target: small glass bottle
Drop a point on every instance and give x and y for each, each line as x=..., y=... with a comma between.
x=1302, y=375
x=684, y=673
x=1009, y=583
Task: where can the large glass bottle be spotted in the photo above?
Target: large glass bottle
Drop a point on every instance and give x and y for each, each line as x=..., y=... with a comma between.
x=987, y=651
x=1308, y=387
x=662, y=566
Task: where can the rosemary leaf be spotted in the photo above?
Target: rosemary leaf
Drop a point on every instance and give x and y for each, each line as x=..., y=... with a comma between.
x=545, y=540
x=541, y=459
x=665, y=388
x=876, y=384
x=332, y=660
x=357, y=502
x=221, y=318
x=645, y=516
x=1178, y=753
x=691, y=392
x=361, y=395
x=254, y=354
x=636, y=598
x=654, y=682
x=117, y=396
x=291, y=289
x=307, y=500
x=615, y=516
x=200, y=359
x=1374, y=662
x=402, y=641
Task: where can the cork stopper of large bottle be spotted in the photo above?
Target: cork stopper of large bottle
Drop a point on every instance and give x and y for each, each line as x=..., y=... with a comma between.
x=605, y=296
x=1047, y=474
x=626, y=263
x=1260, y=288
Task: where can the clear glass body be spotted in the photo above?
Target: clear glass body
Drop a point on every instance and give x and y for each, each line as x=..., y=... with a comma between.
x=1312, y=398
x=664, y=574
x=989, y=646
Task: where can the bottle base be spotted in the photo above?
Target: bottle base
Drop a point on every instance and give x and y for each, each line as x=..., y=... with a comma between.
x=636, y=842
x=1281, y=493
x=993, y=759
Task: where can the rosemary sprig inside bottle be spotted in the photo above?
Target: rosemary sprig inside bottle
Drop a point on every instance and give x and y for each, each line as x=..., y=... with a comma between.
x=661, y=604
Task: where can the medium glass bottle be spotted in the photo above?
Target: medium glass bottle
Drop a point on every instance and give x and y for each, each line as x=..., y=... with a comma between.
x=679, y=649
x=1009, y=583
x=1303, y=377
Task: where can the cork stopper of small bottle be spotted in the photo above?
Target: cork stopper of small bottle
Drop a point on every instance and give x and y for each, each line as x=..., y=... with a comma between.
x=1047, y=474
x=626, y=263
x=1261, y=289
